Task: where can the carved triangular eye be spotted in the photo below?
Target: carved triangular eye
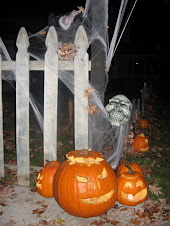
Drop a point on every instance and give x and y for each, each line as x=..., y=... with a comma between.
x=103, y=174
x=139, y=183
x=128, y=184
x=82, y=179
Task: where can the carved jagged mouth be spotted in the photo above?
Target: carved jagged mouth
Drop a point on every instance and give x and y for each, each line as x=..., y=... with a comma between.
x=98, y=200
x=135, y=198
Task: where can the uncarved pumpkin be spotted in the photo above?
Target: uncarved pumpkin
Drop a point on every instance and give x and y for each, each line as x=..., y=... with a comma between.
x=140, y=143
x=143, y=123
x=134, y=166
x=85, y=185
x=132, y=189
x=45, y=178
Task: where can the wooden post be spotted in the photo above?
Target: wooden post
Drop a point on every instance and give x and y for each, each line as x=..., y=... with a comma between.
x=22, y=108
x=138, y=105
x=81, y=77
x=50, y=96
x=1, y=127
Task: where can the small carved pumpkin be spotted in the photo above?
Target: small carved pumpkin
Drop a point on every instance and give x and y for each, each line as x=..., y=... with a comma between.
x=132, y=188
x=45, y=177
x=149, y=107
x=85, y=185
x=143, y=123
x=140, y=143
x=123, y=168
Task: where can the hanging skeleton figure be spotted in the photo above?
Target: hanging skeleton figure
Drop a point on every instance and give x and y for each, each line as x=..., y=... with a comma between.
x=119, y=110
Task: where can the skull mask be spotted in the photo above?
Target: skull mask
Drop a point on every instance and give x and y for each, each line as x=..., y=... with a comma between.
x=119, y=110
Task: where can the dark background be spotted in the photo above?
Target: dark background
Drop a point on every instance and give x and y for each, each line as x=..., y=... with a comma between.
x=143, y=34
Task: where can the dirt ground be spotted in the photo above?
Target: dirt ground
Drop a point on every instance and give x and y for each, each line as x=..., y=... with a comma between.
x=22, y=206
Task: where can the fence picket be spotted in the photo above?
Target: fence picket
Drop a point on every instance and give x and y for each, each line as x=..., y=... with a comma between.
x=81, y=77
x=1, y=128
x=22, y=108
x=50, y=96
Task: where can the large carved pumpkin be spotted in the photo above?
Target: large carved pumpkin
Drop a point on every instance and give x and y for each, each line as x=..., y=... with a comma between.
x=123, y=168
x=45, y=178
x=132, y=188
x=85, y=185
x=140, y=143
x=143, y=123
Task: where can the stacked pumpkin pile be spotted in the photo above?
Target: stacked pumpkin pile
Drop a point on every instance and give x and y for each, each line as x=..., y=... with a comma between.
x=85, y=185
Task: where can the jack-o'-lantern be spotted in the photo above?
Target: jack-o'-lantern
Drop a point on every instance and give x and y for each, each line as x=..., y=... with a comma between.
x=143, y=123
x=149, y=107
x=85, y=185
x=132, y=188
x=124, y=167
x=140, y=143
x=45, y=178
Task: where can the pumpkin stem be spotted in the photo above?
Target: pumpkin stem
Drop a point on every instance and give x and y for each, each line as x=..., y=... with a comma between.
x=50, y=163
x=129, y=168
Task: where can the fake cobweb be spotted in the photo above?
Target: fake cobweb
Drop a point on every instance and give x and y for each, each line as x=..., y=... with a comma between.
x=94, y=18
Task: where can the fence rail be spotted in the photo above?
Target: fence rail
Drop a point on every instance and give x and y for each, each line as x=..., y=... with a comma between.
x=22, y=67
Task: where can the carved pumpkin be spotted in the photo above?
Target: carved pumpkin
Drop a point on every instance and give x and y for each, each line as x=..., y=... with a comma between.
x=140, y=143
x=132, y=188
x=45, y=177
x=85, y=185
x=143, y=123
x=123, y=168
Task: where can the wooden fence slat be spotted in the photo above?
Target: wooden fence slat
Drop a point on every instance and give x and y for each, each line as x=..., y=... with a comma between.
x=22, y=108
x=50, y=96
x=81, y=77
x=39, y=65
x=1, y=127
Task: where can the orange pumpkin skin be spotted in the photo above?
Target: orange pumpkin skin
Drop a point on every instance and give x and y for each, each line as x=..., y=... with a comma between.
x=149, y=107
x=85, y=185
x=45, y=178
x=140, y=143
x=143, y=123
x=132, y=189
x=135, y=167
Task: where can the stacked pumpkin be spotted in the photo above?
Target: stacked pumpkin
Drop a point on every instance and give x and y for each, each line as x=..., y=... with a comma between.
x=132, y=188
x=84, y=185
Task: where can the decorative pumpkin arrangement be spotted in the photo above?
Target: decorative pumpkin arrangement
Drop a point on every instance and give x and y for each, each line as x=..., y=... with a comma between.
x=123, y=168
x=143, y=123
x=140, y=143
x=45, y=177
x=132, y=188
x=85, y=185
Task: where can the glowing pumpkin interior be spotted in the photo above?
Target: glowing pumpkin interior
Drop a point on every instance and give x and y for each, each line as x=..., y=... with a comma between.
x=133, y=190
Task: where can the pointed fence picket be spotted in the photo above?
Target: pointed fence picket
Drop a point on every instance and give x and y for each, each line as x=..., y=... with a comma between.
x=1, y=127
x=22, y=108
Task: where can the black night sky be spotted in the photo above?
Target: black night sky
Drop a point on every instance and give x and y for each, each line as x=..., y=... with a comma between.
x=144, y=29
x=144, y=24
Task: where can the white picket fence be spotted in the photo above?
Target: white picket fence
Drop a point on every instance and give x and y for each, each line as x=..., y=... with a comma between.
x=23, y=65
